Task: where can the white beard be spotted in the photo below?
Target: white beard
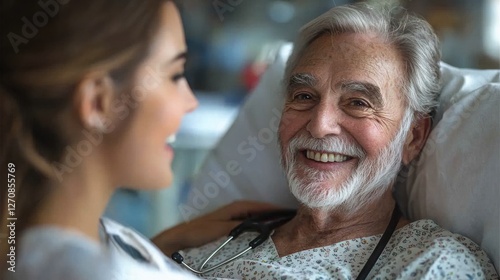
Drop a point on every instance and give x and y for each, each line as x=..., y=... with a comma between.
x=368, y=182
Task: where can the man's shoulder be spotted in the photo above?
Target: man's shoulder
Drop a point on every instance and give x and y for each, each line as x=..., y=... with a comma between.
x=428, y=233
x=426, y=245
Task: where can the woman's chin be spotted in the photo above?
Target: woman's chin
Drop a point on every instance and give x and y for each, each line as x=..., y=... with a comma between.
x=162, y=181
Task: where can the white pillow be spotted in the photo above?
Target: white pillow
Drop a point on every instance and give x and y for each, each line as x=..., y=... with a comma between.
x=453, y=182
x=245, y=162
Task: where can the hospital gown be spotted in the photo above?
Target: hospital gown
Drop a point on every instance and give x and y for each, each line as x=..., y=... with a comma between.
x=420, y=250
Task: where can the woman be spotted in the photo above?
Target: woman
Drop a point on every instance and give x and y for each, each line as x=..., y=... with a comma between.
x=90, y=93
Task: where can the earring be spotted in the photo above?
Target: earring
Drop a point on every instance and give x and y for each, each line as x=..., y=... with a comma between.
x=96, y=123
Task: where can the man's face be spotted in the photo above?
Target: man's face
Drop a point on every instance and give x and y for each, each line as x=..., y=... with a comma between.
x=343, y=111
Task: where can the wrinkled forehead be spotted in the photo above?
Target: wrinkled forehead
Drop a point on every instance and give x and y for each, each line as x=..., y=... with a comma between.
x=353, y=56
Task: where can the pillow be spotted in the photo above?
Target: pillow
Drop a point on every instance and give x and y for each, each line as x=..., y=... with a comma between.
x=453, y=181
x=245, y=162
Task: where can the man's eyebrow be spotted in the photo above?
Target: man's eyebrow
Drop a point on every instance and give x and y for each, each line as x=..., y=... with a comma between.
x=370, y=90
x=301, y=80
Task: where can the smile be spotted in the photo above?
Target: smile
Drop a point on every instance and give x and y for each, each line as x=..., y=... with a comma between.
x=326, y=157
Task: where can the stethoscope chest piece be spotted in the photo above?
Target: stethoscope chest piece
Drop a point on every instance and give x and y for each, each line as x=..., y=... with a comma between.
x=264, y=224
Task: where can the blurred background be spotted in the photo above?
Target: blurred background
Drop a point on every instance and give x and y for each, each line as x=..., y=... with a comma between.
x=231, y=42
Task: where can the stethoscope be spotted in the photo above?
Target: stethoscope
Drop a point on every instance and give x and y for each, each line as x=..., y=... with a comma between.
x=265, y=225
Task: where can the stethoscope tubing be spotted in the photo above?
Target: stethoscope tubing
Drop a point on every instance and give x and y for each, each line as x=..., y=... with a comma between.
x=370, y=263
x=382, y=243
x=201, y=271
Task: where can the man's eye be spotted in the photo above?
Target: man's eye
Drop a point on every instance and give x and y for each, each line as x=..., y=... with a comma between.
x=302, y=96
x=359, y=103
x=301, y=101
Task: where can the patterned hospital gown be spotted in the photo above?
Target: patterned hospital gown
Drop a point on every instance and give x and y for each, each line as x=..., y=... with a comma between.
x=420, y=250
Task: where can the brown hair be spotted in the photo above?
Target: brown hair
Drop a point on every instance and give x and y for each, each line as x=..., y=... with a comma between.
x=46, y=49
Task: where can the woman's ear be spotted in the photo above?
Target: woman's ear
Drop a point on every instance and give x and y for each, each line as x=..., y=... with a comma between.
x=417, y=136
x=92, y=101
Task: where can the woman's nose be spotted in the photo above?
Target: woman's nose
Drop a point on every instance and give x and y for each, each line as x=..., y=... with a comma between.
x=191, y=100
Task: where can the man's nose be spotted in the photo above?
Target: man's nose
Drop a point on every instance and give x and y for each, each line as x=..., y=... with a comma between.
x=325, y=121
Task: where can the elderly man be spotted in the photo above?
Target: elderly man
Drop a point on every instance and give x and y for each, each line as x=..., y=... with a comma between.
x=361, y=86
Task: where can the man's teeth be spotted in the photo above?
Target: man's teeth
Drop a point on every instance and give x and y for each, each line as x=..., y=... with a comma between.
x=171, y=139
x=325, y=157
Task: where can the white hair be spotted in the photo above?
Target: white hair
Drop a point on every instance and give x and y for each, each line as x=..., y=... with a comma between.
x=411, y=36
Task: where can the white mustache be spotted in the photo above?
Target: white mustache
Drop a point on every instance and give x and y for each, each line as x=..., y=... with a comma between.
x=331, y=144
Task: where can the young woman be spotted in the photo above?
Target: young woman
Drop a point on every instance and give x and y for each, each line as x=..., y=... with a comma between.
x=90, y=92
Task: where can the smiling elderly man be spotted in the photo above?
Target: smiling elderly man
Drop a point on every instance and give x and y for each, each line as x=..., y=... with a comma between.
x=361, y=86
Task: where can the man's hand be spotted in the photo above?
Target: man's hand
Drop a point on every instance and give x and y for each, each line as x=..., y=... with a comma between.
x=209, y=227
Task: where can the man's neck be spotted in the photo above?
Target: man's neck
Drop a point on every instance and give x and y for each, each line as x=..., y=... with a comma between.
x=313, y=228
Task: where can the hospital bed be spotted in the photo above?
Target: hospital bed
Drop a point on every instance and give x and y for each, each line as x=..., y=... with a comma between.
x=454, y=182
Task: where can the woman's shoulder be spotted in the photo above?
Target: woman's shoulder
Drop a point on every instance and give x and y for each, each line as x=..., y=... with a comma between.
x=135, y=254
x=56, y=253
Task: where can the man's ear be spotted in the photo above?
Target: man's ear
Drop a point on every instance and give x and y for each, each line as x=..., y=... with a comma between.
x=417, y=136
x=92, y=100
